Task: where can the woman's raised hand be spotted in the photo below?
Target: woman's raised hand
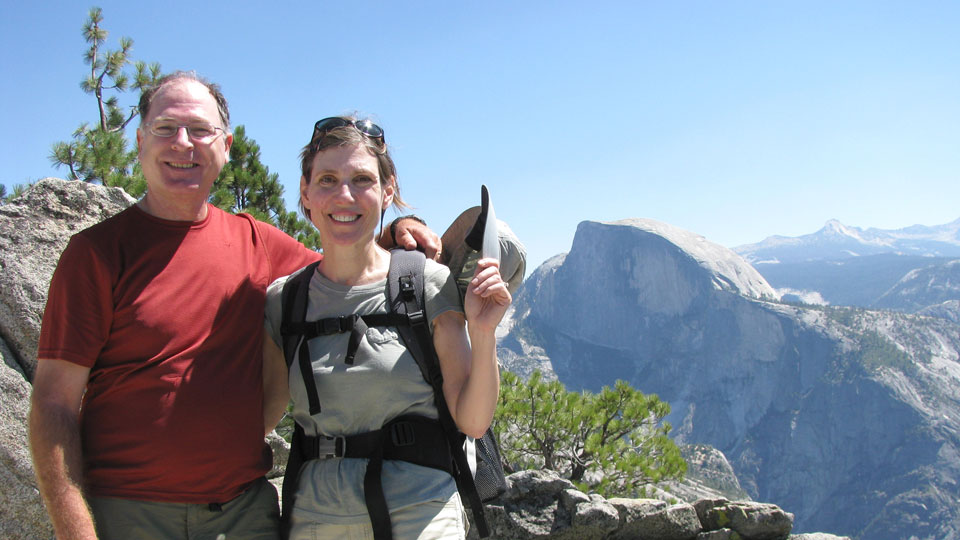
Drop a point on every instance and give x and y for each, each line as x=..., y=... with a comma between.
x=487, y=297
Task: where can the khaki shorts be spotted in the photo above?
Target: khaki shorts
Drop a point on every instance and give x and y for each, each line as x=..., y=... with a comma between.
x=253, y=515
x=432, y=520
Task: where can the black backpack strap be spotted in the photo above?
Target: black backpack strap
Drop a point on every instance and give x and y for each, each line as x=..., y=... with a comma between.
x=373, y=495
x=405, y=296
x=295, y=298
x=405, y=291
x=291, y=477
x=355, y=324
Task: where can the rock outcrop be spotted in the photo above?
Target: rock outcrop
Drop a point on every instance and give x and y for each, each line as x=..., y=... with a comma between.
x=847, y=417
x=34, y=229
x=929, y=286
x=540, y=504
x=949, y=310
x=21, y=512
x=709, y=474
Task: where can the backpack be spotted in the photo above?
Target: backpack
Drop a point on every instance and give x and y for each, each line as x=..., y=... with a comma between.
x=475, y=465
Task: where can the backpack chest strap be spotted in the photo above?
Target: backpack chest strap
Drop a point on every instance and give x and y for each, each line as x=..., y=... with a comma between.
x=356, y=325
x=322, y=327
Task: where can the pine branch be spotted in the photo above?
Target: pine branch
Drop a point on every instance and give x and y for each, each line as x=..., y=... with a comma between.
x=134, y=111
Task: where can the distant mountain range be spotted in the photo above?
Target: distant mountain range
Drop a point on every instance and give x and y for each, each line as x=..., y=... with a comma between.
x=838, y=241
x=906, y=269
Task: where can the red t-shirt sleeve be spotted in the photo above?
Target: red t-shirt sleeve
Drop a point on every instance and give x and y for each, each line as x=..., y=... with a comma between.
x=286, y=255
x=79, y=311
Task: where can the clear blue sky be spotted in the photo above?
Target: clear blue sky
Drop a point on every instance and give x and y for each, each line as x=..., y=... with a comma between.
x=733, y=119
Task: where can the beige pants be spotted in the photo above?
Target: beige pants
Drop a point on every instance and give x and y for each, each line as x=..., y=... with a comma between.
x=254, y=515
x=432, y=520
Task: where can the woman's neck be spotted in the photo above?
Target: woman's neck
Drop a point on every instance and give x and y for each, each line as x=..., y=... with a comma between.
x=355, y=265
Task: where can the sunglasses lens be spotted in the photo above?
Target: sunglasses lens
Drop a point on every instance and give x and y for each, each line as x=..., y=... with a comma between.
x=329, y=123
x=364, y=126
x=371, y=129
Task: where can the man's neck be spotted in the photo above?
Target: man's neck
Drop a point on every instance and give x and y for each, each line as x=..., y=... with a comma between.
x=194, y=210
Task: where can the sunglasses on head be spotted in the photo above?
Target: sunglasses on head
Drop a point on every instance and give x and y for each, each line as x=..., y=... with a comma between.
x=366, y=127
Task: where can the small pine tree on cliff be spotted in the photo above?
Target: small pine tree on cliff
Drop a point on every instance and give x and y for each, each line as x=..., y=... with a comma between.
x=99, y=153
x=613, y=443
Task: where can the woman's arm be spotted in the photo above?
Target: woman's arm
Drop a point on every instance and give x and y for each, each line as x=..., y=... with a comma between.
x=276, y=390
x=471, y=378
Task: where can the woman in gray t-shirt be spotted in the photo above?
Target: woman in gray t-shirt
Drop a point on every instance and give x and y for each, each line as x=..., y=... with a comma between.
x=348, y=181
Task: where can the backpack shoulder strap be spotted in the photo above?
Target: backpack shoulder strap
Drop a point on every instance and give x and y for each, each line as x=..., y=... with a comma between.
x=293, y=311
x=405, y=292
x=405, y=295
x=294, y=299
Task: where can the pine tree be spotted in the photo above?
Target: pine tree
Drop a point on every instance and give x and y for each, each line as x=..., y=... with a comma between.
x=18, y=190
x=246, y=185
x=611, y=443
x=99, y=153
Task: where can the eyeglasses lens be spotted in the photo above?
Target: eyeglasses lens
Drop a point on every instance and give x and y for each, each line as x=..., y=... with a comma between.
x=197, y=132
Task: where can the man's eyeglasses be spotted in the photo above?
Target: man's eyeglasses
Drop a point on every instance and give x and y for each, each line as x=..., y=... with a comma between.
x=199, y=132
x=366, y=127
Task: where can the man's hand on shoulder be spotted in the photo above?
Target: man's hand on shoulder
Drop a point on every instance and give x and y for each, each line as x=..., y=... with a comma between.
x=411, y=232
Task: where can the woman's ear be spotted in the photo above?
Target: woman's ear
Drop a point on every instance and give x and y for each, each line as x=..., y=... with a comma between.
x=303, y=188
x=388, y=194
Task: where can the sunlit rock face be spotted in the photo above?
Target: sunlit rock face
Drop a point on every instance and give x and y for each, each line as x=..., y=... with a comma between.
x=840, y=415
x=34, y=229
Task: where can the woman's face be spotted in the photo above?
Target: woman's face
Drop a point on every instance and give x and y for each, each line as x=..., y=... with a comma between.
x=344, y=195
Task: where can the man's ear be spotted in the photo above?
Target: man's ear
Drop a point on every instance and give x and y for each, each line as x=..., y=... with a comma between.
x=139, y=139
x=227, y=143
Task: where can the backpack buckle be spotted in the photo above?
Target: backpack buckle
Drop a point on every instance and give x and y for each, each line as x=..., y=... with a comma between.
x=407, y=289
x=336, y=325
x=330, y=447
x=416, y=317
x=402, y=434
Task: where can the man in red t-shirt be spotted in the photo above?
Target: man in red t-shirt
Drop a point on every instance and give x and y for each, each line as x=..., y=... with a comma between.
x=147, y=409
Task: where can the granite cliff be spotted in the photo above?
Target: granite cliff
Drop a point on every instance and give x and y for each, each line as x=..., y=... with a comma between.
x=847, y=417
x=33, y=231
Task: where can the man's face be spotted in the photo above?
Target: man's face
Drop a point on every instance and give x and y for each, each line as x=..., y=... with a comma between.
x=180, y=167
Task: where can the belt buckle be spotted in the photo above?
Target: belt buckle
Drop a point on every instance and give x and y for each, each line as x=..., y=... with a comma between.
x=337, y=449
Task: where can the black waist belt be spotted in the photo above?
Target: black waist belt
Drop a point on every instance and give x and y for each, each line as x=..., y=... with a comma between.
x=414, y=439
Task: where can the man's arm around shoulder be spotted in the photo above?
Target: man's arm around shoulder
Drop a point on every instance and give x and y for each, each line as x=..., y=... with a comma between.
x=411, y=232
x=58, y=387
